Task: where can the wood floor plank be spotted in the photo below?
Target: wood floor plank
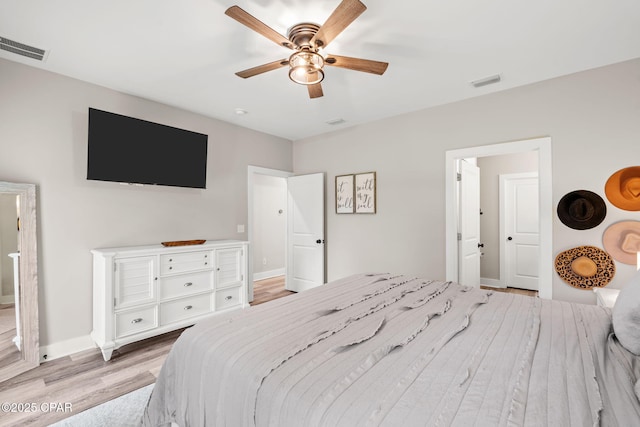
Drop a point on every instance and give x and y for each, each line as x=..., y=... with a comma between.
x=269, y=289
x=511, y=291
x=85, y=380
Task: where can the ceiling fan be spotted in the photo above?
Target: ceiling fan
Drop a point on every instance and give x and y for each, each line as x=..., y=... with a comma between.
x=306, y=39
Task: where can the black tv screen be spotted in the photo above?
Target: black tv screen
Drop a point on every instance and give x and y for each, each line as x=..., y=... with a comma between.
x=125, y=149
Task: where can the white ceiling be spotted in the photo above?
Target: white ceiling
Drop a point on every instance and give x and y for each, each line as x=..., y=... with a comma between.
x=185, y=53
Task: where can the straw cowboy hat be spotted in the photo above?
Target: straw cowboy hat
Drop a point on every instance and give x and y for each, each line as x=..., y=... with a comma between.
x=585, y=267
x=581, y=209
x=623, y=188
x=622, y=241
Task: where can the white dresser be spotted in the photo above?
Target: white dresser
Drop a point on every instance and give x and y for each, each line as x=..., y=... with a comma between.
x=143, y=291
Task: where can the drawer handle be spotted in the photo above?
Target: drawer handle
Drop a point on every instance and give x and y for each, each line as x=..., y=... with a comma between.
x=170, y=259
x=170, y=268
x=229, y=298
x=138, y=320
x=189, y=307
x=206, y=263
x=186, y=285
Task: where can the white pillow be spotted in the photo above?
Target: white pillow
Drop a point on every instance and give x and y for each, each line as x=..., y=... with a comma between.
x=626, y=315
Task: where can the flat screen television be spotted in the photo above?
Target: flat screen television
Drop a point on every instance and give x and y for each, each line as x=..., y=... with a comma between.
x=135, y=151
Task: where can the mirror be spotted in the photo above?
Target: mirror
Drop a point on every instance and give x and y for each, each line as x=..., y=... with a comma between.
x=26, y=303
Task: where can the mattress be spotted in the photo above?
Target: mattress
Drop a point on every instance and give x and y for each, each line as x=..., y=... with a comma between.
x=394, y=350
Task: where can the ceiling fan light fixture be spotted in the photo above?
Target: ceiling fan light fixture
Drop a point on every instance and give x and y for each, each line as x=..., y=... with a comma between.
x=306, y=67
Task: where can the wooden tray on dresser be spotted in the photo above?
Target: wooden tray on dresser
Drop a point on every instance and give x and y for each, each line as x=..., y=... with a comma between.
x=183, y=243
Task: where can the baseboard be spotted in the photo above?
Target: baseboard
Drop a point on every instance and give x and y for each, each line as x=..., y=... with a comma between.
x=65, y=348
x=268, y=274
x=492, y=283
x=7, y=299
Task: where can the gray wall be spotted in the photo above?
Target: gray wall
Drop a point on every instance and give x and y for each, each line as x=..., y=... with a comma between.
x=269, y=224
x=43, y=140
x=592, y=118
x=491, y=167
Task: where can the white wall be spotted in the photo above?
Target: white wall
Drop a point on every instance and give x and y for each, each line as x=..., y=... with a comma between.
x=591, y=117
x=43, y=140
x=491, y=167
x=269, y=225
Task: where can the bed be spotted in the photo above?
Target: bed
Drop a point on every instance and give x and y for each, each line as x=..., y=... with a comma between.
x=392, y=350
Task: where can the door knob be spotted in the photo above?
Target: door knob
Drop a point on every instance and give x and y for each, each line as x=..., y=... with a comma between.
x=509, y=238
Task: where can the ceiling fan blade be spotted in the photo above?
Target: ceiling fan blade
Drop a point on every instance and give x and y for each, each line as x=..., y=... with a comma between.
x=258, y=26
x=342, y=16
x=315, y=91
x=262, y=68
x=366, y=65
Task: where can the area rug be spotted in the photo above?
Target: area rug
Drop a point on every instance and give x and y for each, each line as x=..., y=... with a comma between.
x=123, y=411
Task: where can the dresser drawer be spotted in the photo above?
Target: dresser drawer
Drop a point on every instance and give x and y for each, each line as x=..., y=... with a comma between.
x=185, y=308
x=227, y=298
x=134, y=321
x=183, y=285
x=185, y=262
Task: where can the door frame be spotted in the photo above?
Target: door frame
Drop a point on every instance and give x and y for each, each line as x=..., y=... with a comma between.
x=543, y=147
x=252, y=171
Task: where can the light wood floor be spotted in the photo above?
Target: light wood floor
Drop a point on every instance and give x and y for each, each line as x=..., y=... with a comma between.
x=512, y=291
x=85, y=380
x=269, y=289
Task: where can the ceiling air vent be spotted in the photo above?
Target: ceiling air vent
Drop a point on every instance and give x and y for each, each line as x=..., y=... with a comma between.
x=486, y=81
x=22, y=49
x=335, y=122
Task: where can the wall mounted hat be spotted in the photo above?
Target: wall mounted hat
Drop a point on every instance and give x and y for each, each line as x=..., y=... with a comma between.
x=622, y=241
x=623, y=188
x=581, y=209
x=585, y=267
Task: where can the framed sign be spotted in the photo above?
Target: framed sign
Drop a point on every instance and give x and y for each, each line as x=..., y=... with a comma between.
x=365, y=197
x=344, y=194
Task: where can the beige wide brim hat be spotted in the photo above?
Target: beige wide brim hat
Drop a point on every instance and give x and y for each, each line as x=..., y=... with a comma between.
x=622, y=241
x=585, y=267
x=623, y=188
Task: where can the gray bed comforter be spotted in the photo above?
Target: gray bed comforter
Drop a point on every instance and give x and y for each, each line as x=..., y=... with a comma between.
x=389, y=350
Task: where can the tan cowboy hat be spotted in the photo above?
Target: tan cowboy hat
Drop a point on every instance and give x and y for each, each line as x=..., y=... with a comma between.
x=622, y=241
x=585, y=267
x=623, y=188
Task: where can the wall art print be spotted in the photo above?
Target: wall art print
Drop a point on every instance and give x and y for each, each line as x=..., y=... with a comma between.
x=365, y=192
x=345, y=189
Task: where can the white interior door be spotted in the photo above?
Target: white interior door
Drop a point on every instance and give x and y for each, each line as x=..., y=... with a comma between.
x=520, y=235
x=469, y=237
x=305, y=232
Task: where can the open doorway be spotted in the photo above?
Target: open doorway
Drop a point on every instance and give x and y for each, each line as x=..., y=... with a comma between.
x=509, y=220
x=542, y=147
x=267, y=231
x=305, y=223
